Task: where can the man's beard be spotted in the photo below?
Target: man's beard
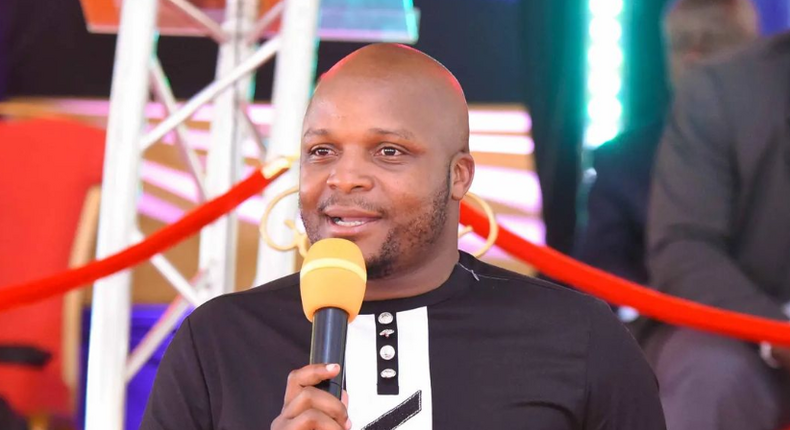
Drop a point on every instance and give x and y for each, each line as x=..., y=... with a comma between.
x=418, y=234
x=404, y=240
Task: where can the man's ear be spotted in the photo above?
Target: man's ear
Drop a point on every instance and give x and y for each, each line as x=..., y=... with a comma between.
x=462, y=173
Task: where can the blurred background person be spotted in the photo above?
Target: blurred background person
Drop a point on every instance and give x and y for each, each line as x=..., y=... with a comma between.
x=614, y=237
x=719, y=234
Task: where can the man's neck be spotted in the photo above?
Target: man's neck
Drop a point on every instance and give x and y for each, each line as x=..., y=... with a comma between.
x=428, y=276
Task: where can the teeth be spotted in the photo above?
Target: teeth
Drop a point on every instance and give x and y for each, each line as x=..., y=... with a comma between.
x=340, y=222
x=350, y=223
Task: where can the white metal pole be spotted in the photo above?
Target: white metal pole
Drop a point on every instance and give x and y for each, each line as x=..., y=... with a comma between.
x=264, y=53
x=293, y=83
x=218, y=241
x=109, y=336
x=161, y=88
x=197, y=16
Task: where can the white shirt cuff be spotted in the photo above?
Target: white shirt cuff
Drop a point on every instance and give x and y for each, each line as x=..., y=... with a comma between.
x=766, y=353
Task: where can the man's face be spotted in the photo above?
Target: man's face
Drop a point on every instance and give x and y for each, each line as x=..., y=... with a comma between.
x=373, y=171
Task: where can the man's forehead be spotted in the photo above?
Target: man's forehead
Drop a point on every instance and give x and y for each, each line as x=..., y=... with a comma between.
x=361, y=88
x=369, y=113
x=399, y=132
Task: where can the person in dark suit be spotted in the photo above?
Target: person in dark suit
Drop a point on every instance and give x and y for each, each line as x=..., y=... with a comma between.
x=719, y=234
x=614, y=238
x=617, y=204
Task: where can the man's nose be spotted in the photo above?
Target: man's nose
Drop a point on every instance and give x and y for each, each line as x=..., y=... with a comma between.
x=350, y=173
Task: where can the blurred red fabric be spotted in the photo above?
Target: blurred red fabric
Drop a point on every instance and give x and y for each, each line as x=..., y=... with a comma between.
x=46, y=169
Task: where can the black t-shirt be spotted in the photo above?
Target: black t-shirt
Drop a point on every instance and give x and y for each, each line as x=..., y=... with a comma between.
x=488, y=349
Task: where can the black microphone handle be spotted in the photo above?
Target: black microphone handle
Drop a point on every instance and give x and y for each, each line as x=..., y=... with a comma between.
x=328, y=345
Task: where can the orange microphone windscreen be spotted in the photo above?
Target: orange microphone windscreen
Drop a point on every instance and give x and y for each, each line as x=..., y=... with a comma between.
x=333, y=275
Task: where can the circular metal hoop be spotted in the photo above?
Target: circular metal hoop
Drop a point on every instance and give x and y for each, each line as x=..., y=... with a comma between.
x=493, y=230
x=300, y=240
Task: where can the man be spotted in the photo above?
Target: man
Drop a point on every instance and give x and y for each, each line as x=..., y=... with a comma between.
x=443, y=340
x=614, y=238
x=719, y=234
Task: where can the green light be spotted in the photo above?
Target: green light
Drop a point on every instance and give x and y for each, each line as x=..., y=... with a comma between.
x=605, y=30
x=598, y=134
x=610, y=8
x=604, y=72
x=607, y=56
x=408, y=5
x=604, y=110
x=602, y=83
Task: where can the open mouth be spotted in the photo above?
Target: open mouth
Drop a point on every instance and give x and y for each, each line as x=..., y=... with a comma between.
x=350, y=222
x=344, y=221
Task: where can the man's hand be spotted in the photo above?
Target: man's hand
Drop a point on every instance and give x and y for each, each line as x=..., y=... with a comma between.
x=308, y=408
x=782, y=356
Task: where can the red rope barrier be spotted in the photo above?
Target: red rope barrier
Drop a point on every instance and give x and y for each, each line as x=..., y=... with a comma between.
x=618, y=291
x=593, y=281
x=29, y=292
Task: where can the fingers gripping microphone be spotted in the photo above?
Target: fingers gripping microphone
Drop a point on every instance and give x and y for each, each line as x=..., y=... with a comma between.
x=333, y=278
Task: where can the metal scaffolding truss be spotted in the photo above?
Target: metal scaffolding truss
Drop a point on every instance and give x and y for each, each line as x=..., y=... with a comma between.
x=290, y=29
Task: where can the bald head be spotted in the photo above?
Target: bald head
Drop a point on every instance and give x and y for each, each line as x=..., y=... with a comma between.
x=405, y=77
x=385, y=163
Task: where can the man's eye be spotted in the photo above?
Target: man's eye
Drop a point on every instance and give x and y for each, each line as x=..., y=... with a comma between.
x=390, y=152
x=321, y=152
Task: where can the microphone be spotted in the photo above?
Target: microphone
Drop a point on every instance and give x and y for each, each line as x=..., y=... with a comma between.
x=332, y=283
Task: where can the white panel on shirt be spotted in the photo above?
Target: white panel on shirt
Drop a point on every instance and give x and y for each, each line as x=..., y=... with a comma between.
x=366, y=406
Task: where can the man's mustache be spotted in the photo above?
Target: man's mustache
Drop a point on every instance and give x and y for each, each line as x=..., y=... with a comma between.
x=347, y=202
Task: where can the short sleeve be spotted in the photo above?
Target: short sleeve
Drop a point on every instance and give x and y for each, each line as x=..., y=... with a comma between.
x=179, y=399
x=621, y=388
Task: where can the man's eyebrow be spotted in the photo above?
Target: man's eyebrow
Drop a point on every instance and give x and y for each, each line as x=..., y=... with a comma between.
x=402, y=133
x=315, y=132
